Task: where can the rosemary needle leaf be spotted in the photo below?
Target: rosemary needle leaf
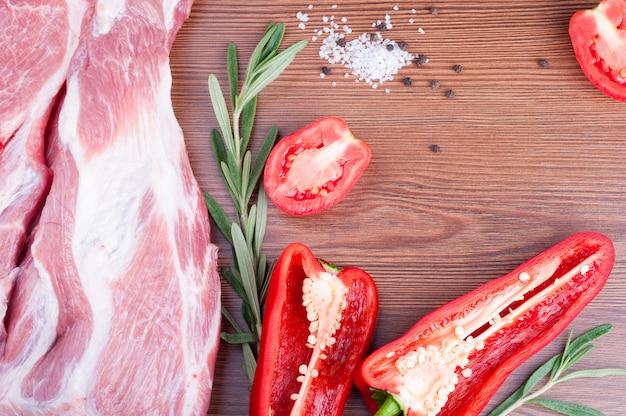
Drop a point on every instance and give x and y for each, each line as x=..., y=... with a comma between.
x=247, y=121
x=593, y=373
x=232, y=184
x=244, y=264
x=270, y=70
x=221, y=112
x=245, y=177
x=566, y=408
x=233, y=278
x=261, y=222
x=218, y=146
x=242, y=338
x=258, y=51
x=561, y=358
x=588, y=337
x=219, y=216
x=263, y=282
x=231, y=320
x=234, y=168
x=250, y=228
x=259, y=162
x=538, y=374
x=573, y=359
x=232, y=68
x=273, y=43
x=249, y=361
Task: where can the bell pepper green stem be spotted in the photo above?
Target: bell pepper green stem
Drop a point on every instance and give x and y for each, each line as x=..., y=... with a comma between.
x=390, y=407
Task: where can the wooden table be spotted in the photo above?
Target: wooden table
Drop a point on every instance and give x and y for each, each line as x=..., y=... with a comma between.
x=527, y=156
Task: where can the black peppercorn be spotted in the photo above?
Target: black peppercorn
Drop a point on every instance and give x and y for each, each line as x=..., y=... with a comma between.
x=421, y=60
x=434, y=84
x=341, y=42
x=544, y=63
x=326, y=70
x=382, y=27
x=457, y=68
x=450, y=94
x=407, y=81
x=390, y=47
x=433, y=10
x=403, y=45
x=434, y=148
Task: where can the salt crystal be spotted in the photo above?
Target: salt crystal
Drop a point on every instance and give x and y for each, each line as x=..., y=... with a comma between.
x=370, y=57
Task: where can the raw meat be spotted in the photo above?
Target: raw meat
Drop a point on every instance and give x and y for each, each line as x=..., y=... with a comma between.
x=116, y=305
x=39, y=37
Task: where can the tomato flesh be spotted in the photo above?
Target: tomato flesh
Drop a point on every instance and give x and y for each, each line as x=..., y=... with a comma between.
x=314, y=168
x=599, y=40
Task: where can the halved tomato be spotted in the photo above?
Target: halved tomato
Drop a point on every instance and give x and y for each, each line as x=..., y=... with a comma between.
x=599, y=40
x=314, y=168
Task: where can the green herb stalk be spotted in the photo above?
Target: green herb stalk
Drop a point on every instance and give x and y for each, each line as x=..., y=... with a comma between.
x=249, y=274
x=555, y=369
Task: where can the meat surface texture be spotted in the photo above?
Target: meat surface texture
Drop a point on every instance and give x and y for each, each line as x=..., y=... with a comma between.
x=115, y=307
x=39, y=37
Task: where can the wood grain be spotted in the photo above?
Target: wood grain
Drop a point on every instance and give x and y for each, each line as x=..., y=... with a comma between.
x=528, y=155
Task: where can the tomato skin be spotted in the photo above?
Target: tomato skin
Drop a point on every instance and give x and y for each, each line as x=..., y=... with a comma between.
x=316, y=167
x=587, y=258
x=599, y=40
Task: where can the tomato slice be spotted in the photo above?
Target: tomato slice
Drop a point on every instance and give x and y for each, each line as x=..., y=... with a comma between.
x=599, y=40
x=314, y=168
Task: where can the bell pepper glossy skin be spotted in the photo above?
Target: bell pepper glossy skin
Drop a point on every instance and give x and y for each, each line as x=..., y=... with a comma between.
x=317, y=325
x=452, y=361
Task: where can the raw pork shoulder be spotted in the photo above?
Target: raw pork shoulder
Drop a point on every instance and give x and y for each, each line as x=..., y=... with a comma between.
x=116, y=306
x=38, y=40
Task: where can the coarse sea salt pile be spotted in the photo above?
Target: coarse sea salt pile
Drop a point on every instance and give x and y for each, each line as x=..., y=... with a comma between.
x=370, y=57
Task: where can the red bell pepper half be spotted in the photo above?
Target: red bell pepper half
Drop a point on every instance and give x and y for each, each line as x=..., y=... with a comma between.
x=317, y=325
x=453, y=360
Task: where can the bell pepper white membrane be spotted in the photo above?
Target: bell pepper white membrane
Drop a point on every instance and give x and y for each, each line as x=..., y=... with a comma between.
x=324, y=297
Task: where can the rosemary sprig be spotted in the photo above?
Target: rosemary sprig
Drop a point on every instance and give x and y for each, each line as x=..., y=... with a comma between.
x=555, y=369
x=249, y=274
